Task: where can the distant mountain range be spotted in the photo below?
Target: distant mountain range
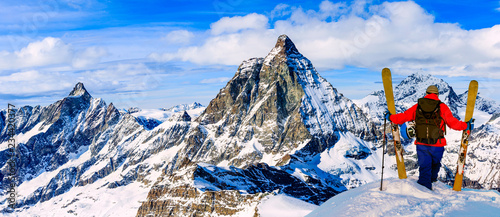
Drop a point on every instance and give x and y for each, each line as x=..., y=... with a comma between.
x=277, y=127
x=151, y=118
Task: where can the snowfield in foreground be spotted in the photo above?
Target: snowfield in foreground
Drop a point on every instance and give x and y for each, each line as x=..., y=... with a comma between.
x=283, y=205
x=407, y=198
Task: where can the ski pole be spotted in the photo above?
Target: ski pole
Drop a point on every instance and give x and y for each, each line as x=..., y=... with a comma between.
x=383, y=155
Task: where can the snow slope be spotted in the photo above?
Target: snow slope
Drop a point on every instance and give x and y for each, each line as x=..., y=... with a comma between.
x=407, y=198
x=283, y=205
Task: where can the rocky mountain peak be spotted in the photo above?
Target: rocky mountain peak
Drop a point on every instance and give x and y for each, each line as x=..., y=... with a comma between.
x=418, y=77
x=415, y=86
x=79, y=90
x=281, y=104
x=283, y=49
x=286, y=45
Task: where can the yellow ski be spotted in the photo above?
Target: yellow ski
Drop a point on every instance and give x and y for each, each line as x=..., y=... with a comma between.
x=469, y=110
x=389, y=95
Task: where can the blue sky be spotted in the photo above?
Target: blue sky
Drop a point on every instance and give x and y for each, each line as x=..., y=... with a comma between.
x=153, y=54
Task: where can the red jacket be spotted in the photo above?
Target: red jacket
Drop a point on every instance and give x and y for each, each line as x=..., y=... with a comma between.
x=452, y=122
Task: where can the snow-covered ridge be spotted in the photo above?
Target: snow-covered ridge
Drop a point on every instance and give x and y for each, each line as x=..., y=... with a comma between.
x=183, y=107
x=150, y=118
x=404, y=197
x=325, y=109
x=163, y=115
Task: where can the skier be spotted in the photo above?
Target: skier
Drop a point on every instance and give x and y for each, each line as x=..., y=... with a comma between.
x=430, y=116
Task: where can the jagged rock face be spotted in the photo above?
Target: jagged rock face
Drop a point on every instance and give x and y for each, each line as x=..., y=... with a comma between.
x=275, y=111
x=177, y=193
x=482, y=169
x=482, y=104
x=240, y=90
x=279, y=104
x=186, y=188
x=61, y=129
x=80, y=140
x=188, y=201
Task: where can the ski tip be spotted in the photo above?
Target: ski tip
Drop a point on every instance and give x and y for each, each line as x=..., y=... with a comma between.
x=386, y=73
x=473, y=83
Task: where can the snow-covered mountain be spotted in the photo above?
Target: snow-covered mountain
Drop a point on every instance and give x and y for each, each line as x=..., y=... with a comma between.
x=80, y=147
x=279, y=105
x=185, y=107
x=483, y=162
x=276, y=128
x=272, y=128
x=150, y=118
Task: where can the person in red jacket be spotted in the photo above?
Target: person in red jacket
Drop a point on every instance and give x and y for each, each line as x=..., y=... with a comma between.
x=431, y=117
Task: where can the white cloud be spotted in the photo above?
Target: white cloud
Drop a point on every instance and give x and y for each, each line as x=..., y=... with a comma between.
x=329, y=9
x=116, y=77
x=215, y=80
x=22, y=76
x=49, y=51
x=89, y=56
x=45, y=52
x=237, y=23
x=280, y=10
x=123, y=77
x=227, y=49
x=179, y=37
x=33, y=82
x=401, y=35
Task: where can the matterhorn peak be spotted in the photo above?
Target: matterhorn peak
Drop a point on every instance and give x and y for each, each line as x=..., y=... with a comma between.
x=283, y=49
x=286, y=45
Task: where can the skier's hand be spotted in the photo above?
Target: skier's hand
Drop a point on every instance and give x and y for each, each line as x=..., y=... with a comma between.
x=387, y=115
x=470, y=125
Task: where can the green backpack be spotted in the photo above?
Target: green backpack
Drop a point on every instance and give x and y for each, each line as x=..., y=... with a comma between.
x=428, y=121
